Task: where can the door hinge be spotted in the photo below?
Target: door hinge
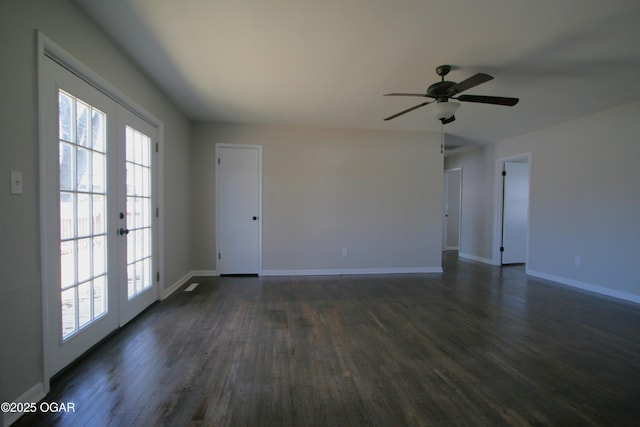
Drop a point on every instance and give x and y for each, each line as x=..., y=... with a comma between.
x=501, y=248
x=157, y=147
x=157, y=212
x=218, y=160
x=504, y=173
x=219, y=255
x=158, y=276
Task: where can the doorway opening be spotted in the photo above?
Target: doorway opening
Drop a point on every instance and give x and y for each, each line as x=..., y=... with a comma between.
x=452, y=209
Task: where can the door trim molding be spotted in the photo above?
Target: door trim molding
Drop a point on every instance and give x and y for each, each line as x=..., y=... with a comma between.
x=46, y=48
x=218, y=146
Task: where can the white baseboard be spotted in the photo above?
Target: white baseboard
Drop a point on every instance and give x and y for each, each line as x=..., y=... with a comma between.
x=33, y=395
x=184, y=279
x=476, y=258
x=174, y=287
x=451, y=248
x=312, y=272
x=352, y=271
x=204, y=273
x=585, y=286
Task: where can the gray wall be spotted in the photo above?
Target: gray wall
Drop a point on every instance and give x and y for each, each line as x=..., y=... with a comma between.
x=376, y=193
x=20, y=299
x=584, y=200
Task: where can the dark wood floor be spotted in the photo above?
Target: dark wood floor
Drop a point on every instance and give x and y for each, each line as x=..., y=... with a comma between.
x=477, y=345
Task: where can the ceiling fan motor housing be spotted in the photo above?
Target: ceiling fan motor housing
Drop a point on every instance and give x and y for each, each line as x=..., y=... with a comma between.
x=440, y=90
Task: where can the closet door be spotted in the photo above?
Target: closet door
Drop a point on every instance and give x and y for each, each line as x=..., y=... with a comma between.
x=238, y=208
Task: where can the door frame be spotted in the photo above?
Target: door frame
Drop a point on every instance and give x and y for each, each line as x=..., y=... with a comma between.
x=499, y=198
x=218, y=226
x=49, y=50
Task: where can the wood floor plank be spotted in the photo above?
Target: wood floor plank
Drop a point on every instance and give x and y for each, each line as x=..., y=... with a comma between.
x=477, y=345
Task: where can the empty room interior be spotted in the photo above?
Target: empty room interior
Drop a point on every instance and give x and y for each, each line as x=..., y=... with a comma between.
x=320, y=212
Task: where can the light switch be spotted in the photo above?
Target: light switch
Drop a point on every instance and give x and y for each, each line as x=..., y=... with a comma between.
x=16, y=182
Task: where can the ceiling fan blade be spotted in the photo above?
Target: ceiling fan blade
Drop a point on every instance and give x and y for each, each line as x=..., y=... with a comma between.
x=472, y=81
x=496, y=100
x=449, y=120
x=422, y=95
x=407, y=110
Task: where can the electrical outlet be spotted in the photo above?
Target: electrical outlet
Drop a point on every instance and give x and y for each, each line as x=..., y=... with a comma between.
x=577, y=260
x=344, y=251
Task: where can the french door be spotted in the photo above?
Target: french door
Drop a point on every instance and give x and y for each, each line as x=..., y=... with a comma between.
x=98, y=216
x=136, y=261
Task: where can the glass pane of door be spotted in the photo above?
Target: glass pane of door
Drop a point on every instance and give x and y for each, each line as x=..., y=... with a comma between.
x=139, y=212
x=83, y=213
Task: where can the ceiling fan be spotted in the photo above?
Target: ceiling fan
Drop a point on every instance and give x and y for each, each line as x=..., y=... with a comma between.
x=443, y=91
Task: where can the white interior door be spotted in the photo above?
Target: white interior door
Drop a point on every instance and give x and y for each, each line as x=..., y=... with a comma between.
x=515, y=212
x=86, y=181
x=453, y=183
x=238, y=208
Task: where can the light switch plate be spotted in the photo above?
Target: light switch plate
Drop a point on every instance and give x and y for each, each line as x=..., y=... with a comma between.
x=16, y=182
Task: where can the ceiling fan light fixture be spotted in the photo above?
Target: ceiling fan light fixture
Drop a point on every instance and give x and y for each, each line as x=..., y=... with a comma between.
x=443, y=110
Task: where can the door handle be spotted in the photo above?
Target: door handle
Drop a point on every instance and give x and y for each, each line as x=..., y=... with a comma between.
x=123, y=231
x=255, y=218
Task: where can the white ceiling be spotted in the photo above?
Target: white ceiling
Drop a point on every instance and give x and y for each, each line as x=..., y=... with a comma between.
x=328, y=62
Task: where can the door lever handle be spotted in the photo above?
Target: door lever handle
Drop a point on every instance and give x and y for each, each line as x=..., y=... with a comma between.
x=123, y=231
x=255, y=218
